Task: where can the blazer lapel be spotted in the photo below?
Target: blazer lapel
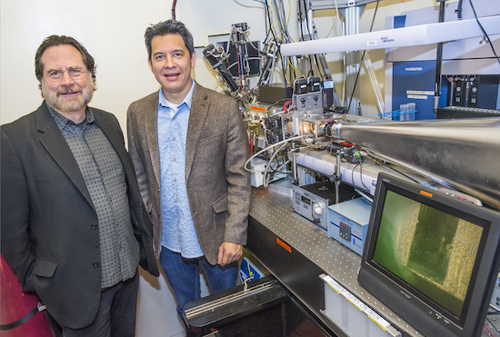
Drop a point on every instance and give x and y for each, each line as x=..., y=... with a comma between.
x=151, y=131
x=55, y=144
x=197, y=116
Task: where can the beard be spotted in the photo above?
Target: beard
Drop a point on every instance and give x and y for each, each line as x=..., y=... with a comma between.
x=59, y=102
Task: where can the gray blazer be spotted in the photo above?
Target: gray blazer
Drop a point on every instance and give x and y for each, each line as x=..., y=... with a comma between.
x=217, y=147
x=49, y=223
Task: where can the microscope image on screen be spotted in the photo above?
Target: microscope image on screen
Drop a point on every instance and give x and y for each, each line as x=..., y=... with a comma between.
x=429, y=249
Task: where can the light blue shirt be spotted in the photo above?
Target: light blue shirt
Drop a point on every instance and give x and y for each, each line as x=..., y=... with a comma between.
x=179, y=234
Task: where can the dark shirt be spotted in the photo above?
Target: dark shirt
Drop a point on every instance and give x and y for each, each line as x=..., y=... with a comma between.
x=104, y=177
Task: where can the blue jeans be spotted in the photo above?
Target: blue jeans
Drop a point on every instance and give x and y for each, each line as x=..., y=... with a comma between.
x=183, y=276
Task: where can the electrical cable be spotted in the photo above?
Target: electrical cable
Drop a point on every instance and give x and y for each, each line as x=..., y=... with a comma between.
x=270, y=162
x=362, y=58
x=267, y=148
x=278, y=42
x=493, y=325
x=296, y=70
x=484, y=31
x=459, y=9
x=268, y=11
x=301, y=31
x=317, y=64
x=284, y=19
x=266, y=181
x=352, y=173
x=248, y=40
x=278, y=16
x=285, y=38
x=489, y=332
x=496, y=312
x=242, y=5
x=403, y=174
x=311, y=36
x=174, y=4
x=336, y=22
x=289, y=14
x=364, y=195
x=267, y=22
x=361, y=175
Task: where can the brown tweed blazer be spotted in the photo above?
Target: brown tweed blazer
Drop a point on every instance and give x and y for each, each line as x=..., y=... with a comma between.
x=218, y=186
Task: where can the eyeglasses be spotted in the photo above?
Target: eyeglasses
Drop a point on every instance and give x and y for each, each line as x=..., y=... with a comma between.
x=57, y=74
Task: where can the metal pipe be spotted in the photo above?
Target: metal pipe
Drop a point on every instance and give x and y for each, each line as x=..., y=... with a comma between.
x=462, y=154
x=338, y=177
x=295, y=180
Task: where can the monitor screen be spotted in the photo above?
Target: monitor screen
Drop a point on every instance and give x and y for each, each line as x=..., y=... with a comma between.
x=431, y=258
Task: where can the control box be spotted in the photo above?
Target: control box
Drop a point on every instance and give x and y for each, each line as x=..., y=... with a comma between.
x=495, y=297
x=311, y=201
x=348, y=223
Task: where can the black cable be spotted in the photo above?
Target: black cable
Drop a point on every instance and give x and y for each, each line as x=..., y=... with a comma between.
x=21, y=321
x=311, y=71
x=403, y=174
x=360, y=63
x=311, y=37
x=270, y=22
x=267, y=22
x=278, y=43
x=484, y=31
x=459, y=9
x=301, y=32
x=318, y=65
x=493, y=325
x=361, y=176
x=352, y=174
x=174, y=3
x=282, y=64
x=306, y=19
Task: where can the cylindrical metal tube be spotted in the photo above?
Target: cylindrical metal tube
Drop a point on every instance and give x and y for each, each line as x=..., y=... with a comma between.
x=459, y=153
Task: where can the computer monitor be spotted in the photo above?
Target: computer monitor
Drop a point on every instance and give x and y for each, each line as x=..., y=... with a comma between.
x=431, y=258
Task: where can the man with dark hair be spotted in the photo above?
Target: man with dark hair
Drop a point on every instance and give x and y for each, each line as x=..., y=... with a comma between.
x=74, y=228
x=189, y=146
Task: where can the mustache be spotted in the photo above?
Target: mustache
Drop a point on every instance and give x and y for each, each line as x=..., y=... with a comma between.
x=67, y=90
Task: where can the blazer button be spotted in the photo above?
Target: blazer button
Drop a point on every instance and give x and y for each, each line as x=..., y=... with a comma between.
x=95, y=264
x=93, y=226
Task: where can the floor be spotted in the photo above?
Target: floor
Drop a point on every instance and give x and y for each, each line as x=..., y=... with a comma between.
x=156, y=314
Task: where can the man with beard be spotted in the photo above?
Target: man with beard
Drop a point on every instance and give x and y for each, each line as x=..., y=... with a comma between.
x=74, y=228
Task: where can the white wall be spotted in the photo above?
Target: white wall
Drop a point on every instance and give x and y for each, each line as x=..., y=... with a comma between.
x=113, y=32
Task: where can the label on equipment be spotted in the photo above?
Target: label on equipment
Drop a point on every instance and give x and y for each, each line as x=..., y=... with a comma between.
x=376, y=318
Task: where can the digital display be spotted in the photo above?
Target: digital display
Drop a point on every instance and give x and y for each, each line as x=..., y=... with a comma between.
x=429, y=249
x=305, y=200
x=431, y=258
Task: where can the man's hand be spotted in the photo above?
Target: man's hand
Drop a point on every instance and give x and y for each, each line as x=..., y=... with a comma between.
x=229, y=252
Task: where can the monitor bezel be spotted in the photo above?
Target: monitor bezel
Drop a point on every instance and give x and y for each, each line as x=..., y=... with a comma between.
x=425, y=315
